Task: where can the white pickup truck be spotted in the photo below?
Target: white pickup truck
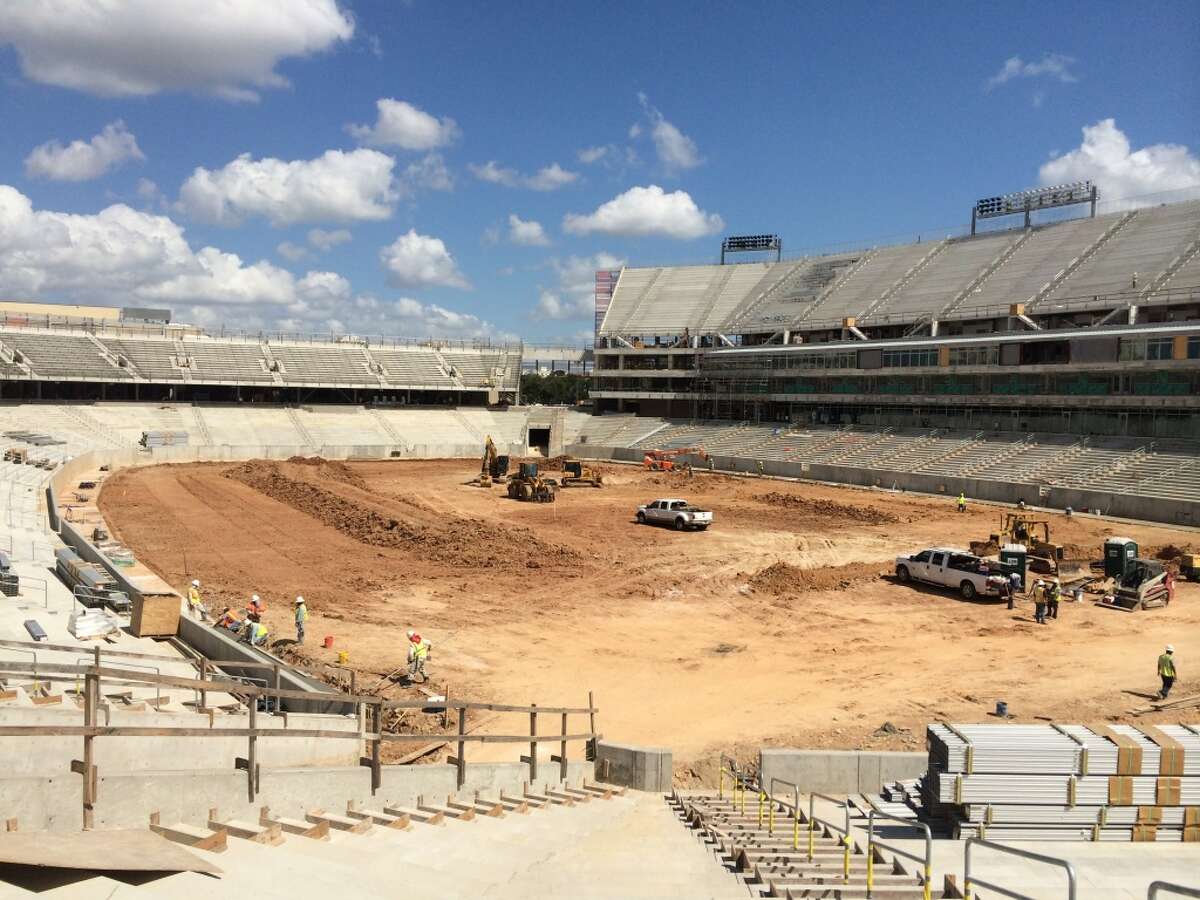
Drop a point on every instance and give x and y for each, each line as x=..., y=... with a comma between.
x=676, y=513
x=966, y=573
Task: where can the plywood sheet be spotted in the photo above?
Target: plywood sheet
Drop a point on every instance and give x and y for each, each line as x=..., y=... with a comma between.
x=101, y=851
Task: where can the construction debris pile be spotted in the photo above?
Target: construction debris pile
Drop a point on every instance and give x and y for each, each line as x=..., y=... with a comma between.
x=1066, y=782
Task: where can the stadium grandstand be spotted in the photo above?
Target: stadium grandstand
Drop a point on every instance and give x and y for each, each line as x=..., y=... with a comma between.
x=1085, y=326
x=50, y=352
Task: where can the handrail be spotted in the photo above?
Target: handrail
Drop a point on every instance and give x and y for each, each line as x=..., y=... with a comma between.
x=813, y=820
x=33, y=653
x=795, y=810
x=155, y=669
x=1157, y=887
x=926, y=861
x=969, y=882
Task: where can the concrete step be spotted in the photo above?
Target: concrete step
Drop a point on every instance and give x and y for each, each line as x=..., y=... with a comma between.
x=379, y=817
x=318, y=831
x=269, y=835
x=413, y=814
x=192, y=836
x=340, y=823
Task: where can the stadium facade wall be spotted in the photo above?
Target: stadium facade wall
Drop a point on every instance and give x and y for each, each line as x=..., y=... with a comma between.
x=1129, y=506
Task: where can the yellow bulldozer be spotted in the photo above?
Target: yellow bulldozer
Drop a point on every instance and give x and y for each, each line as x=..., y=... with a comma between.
x=1045, y=557
x=527, y=484
x=576, y=473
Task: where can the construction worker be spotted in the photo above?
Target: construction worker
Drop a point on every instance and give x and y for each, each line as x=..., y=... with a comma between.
x=1053, y=595
x=256, y=608
x=1166, y=671
x=418, y=652
x=254, y=633
x=1039, y=602
x=1014, y=587
x=962, y=502
x=193, y=599
x=228, y=620
x=301, y=618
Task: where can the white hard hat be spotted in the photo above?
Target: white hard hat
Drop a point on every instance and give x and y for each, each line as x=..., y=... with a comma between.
x=1170, y=649
x=195, y=582
x=254, y=598
x=299, y=599
x=410, y=633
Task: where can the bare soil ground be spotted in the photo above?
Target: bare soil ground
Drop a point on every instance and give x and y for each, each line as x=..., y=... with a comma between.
x=780, y=625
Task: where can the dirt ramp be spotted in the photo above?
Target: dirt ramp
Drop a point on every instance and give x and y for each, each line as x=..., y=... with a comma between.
x=782, y=578
x=319, y=490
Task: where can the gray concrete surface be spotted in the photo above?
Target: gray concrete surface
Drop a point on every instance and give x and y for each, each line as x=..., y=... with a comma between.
x=126, y=799
x=840, y=771
x=640, y=768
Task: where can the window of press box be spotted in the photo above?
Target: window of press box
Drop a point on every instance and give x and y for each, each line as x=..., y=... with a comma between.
x=909, y=358
x=1193, y=348
x=974, y=356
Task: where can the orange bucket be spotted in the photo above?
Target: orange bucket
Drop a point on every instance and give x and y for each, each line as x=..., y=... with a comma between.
x=328, y=640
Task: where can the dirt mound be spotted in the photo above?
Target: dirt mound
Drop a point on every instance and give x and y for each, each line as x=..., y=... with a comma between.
x=1170, y=552
x=330, y=469
x=456, y=541
x=828, y=509
x=782, y=578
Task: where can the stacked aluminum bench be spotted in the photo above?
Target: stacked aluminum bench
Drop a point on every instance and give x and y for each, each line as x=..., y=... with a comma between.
x=1066, y=782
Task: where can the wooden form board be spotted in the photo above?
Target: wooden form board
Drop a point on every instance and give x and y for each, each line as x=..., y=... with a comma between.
x=155, y=616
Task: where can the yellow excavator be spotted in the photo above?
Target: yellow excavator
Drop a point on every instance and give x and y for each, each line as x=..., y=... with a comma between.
x=527, y=484
x=493, y=467
x=576, y=473
x=1045, y=557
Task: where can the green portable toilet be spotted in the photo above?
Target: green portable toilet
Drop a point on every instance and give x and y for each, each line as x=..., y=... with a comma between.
x=1012, y=559
x=1119, y=554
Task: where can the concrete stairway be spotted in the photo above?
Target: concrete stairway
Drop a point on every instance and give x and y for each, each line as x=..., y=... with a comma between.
x=773, y=867
x=590, y=843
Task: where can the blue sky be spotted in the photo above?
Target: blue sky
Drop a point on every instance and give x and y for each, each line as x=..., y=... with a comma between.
x=460, y=169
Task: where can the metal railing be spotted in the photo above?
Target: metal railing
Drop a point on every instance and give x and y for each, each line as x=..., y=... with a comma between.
x=970, y=882
x=1164, y=887
x=795, y=809
x=155, y=669
x=926, y=861
x=829, y=826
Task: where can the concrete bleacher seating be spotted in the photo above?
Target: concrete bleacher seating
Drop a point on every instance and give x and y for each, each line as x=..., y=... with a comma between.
x=475, y=368
x=412, y=366
x=227, y=361
x=330, y=364
x=855, y=294
x=56, y=354
x=1147, y=244
x=154, y=360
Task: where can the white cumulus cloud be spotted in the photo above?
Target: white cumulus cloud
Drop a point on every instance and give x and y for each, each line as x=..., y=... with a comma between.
x=290, y=251
x=674, y=148
x=419, y=260
x=548, y=178
x=400, y=124
x=139, y=47
x=573, y=296
x=327, y=240
x=429, y=173
x=84, y=160
x=644, y=212
x=526, y=233
x=1107, y=158
x=1055, y=66
x=337, y=186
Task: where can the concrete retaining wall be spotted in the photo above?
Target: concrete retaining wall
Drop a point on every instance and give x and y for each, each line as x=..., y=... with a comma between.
x=1149, y=509
x=640, y=768
x=839, y=771
x=126, y=800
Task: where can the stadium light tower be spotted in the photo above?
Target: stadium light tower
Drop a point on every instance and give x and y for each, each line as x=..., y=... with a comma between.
x=752, y=243
x=1029, y=201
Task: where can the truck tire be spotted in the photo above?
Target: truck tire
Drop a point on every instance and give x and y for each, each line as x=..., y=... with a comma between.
x=680, y=524
x=902, y=574
x=641, y=517
x=967, y=590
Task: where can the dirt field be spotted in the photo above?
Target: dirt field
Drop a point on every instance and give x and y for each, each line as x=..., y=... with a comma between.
x=780, y=625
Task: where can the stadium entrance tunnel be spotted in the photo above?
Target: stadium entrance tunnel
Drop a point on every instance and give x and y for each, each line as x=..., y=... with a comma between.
x=539, y=440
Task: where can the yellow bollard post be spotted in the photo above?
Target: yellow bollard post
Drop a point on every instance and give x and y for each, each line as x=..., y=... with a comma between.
x=771, y=827
x=761, y=797
x=966, y=889
x=846, y=861
x=870, y=870
x=810, y=840
x=928, y=882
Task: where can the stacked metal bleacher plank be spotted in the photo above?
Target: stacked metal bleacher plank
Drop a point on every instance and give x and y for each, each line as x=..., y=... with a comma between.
x=1066, y=782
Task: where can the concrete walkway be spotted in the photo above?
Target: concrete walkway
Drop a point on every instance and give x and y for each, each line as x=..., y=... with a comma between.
x=627, y=847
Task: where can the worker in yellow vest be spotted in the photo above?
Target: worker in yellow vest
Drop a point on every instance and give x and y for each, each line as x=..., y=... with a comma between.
x=1166, y=671
x=418, y=652
x=195, y=605
x=962, y=502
